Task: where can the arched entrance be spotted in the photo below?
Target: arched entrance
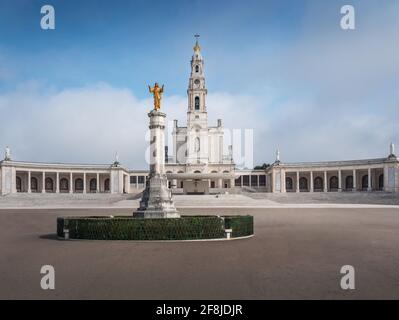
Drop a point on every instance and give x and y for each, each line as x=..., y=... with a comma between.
x=64, y=185
x=303, y=184
x=334, y=183
x=365, y=182
x=79, y=185
x=106, y=185
x=381, y=182
x=349, y=183
x=318, y=184
x=288, y=184
x=49, y=184
x=93, y=185
x=33, y=184
x=18, y=183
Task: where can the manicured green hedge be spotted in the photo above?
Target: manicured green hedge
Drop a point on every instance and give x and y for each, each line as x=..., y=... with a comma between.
x=129, y=228
x=241, y=226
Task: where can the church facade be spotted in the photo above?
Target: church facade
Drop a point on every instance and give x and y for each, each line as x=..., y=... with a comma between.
x=198, y=165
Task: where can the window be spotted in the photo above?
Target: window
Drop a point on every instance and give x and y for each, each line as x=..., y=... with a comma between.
x=197, y=103
x=197, y=145
x=141, y=179
x=133, y=179
x=197, y=68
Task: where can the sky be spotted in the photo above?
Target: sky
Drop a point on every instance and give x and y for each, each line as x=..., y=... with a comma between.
x=285, y=69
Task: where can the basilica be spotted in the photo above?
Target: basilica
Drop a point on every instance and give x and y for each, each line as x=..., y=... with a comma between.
x=198, y=165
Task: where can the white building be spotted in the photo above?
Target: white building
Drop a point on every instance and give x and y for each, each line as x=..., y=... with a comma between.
x=198, y=165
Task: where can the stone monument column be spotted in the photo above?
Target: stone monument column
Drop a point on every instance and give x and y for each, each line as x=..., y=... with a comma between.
x=156, y=201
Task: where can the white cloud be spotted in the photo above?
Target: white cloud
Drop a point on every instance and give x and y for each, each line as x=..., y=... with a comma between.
x=89, y=124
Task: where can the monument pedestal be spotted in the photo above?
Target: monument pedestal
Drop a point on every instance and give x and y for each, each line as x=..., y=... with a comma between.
x=156, y=201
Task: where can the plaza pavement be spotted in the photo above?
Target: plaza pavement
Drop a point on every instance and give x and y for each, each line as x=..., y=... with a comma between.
x=296, y=253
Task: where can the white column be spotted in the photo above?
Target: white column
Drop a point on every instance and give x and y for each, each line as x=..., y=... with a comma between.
x=242, y=179
x=70, y=183
x=257, y=180
x=220, y=183
x=43, y=182
x=98, y=183
x=84, y=182
x=297, y=181
x=137, y=182
x=311, y=182
x=325, y=182
x=57, y=187
x=339, y=181
x=250, y=180
x=282, y=181
x=386, y=178
x=369, y=180
x=29, y=186
x=354, y=180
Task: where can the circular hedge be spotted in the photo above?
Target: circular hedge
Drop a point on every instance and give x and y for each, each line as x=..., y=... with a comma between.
x=129, y=228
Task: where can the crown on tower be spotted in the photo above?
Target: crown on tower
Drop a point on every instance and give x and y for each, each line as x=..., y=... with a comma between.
x=197, y=47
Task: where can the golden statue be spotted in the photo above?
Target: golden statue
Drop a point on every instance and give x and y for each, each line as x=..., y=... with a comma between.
x=157, y=93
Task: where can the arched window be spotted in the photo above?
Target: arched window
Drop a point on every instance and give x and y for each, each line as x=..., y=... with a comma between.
x=318, y=184
x=288, y=183
x=79, y=184
x=334, y=183
x=303, y=184
x=365, y=182
x=197, y=103
x=106, y=185
x=349, y=183
x=381, y=182
x=197, y=68
x=197, y=144
x=33, y=184
x=18, y=184
x=93, y=185
x=64, y=184
x=49, y=185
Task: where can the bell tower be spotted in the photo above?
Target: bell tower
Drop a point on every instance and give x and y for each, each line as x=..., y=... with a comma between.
x=197, y=115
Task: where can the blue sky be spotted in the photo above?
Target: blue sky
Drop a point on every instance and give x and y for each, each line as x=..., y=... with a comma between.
x=282, y=68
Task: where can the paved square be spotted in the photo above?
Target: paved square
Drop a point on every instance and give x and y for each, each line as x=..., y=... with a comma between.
x=296, y=253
